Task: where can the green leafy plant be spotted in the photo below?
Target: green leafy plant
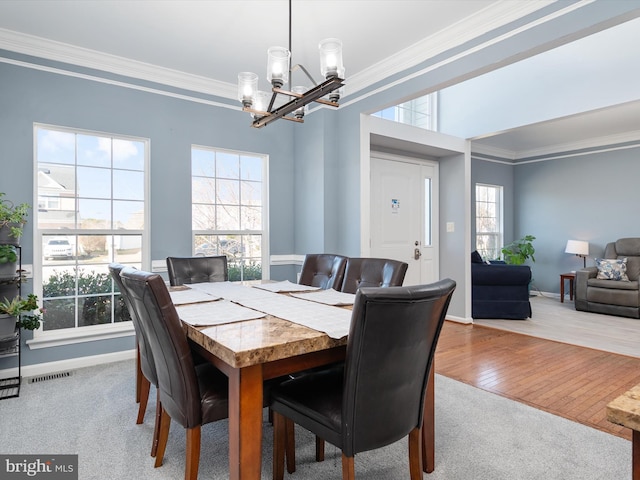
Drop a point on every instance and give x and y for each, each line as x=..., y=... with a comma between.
x=26, y=310
x=8, y=254
x=518, y=251
x=13, y=216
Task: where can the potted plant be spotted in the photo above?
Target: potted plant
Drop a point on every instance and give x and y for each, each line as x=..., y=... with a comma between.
x=19, y=311
x=518, y=251
x=8, y=261
x=12, y=220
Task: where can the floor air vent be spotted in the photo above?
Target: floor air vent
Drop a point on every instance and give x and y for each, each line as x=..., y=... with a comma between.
x=53, y=376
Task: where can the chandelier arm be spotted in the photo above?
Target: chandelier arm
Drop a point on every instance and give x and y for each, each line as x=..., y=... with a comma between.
x=306, y=72
x=301, y=95
x=273, y=99
x=312, y=95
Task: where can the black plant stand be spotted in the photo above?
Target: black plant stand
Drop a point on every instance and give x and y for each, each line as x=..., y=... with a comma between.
x=10, y=345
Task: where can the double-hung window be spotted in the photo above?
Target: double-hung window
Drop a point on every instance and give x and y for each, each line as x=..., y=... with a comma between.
x=489, y=236
x=91, y=211
x=229, y=209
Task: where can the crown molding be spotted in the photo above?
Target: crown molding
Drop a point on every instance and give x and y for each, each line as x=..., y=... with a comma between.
x=486, y=20
x=551, y=152
x=503, y=153
x=589, y=144
x=84, y=57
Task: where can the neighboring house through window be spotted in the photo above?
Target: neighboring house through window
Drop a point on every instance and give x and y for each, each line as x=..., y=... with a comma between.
x=91, y=212
x=229, y=207
x=489, y=234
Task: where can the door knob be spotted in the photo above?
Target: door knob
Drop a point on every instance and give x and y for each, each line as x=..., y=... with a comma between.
x=417, y=254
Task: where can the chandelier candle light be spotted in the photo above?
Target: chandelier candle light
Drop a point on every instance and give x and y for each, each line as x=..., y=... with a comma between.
x=278, y=73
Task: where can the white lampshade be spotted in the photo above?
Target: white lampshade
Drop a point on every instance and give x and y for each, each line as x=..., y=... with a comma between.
x=577, y=247
x=262, y=102
x=247, y=88
x=278, y=66
x=331, y=58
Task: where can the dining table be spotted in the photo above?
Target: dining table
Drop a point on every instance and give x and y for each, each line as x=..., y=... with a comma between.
x=275, y=341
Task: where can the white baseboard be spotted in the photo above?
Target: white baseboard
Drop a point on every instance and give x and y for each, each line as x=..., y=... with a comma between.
x=70, y=364
x=459, y=319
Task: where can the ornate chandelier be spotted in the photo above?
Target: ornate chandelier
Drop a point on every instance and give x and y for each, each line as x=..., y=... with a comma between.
x=262, y=106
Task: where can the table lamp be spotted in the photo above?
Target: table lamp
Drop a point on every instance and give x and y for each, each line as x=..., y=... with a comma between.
x=579, y=248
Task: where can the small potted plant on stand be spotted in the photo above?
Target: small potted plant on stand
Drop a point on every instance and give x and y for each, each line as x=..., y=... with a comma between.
x=19, y=312
x=12, y=220
x=8, y=261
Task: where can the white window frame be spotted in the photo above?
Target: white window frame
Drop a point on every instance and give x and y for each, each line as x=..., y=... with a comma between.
x=499, y=220
x=67, y=336
x=264, y=232
x=407, y=111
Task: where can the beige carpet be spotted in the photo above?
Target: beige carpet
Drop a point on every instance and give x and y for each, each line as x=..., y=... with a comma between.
x=558, y=321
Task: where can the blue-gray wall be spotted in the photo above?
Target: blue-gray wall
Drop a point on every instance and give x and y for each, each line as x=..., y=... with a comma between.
x=31, y=96
x=586, y=197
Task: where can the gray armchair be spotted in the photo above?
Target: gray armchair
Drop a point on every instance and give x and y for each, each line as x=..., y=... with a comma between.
x=613, y=297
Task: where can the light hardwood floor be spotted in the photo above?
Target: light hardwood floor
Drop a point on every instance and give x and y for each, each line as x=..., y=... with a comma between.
x=558, y=321
x=557, y=374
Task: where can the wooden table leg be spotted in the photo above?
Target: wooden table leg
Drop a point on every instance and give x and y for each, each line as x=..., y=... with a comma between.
x=561, y=289
x=428, y=425
x=245, y=423
x=635, y=456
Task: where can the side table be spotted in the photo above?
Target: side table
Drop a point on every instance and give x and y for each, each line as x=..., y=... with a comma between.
x=567, y=276
x=625, y=411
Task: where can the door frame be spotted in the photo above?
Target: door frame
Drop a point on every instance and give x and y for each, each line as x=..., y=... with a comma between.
x=396, y=137
x=435, y=203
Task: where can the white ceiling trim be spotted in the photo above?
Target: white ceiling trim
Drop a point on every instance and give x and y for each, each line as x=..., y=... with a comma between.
x=559, y=13
x=477, y=148
x=494, y=16
x=117, y=83
x=615, y=139
x=558, y=149
x=84, y=57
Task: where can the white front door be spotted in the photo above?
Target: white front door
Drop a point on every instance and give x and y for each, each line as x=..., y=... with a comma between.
x=404, y=214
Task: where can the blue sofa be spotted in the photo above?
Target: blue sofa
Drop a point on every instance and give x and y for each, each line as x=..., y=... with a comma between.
x=499, y=290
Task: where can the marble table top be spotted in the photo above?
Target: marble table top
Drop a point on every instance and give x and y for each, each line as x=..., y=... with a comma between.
x=262, y=340
x=625, y=410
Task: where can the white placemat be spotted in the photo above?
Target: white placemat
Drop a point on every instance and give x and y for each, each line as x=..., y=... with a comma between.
x=183, y=297
x=333, y=321
x=215, y=313
x=229, y=291
x=285, y=286
x=328, y=297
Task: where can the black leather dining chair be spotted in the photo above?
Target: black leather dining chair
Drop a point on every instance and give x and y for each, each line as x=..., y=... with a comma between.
x=185, y=270
x=372, y=272
x=378, y=397
x=192, y=395
x=323, y=270
x=145, y=366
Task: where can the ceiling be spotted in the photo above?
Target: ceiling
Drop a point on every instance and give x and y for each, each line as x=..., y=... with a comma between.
x=209, y=42
x=216, y=39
